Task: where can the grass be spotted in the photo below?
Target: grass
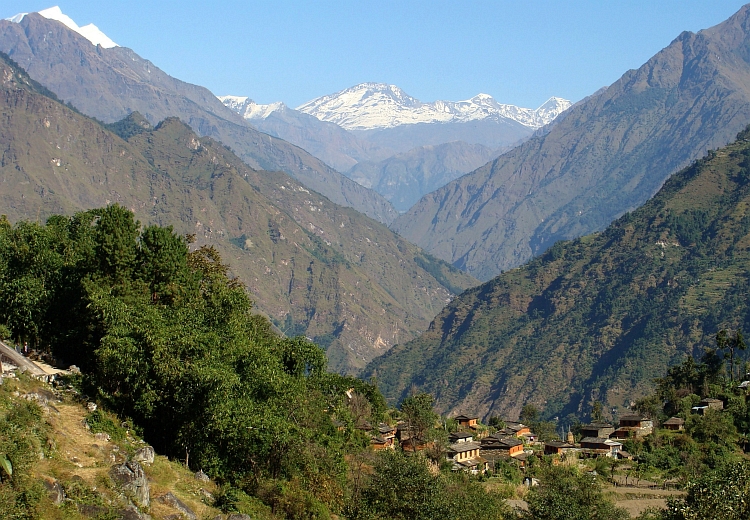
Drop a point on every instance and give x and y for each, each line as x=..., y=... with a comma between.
x=80, y=462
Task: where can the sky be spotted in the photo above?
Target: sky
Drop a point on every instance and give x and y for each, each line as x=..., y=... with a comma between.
x=519, y=52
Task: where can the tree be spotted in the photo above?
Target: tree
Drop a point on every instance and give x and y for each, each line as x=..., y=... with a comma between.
x=529, y=414
x=597, y=412
x=115, y=238
x=723, y=494
x=162, y=261
x=566, y=494
x=419, y=416
x=724, y=341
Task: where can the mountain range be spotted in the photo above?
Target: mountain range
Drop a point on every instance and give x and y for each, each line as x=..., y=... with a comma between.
x=371, y=129
x=315, y=268
x=110, y=83
x=597, y=318
x=602, y=157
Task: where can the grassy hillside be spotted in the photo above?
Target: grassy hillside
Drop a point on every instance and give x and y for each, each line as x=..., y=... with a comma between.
x=77, y=454
x=315, y=268
x=596, y=318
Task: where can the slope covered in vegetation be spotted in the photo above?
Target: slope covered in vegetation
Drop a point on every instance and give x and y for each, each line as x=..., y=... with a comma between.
x=597, y=318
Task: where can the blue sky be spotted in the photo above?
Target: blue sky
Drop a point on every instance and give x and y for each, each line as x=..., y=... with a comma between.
x=293, y=51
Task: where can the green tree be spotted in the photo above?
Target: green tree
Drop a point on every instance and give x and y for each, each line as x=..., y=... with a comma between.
x=419, y=415
x=566, y=494
x=116, y=246
x=723, y=494
x=529, y=414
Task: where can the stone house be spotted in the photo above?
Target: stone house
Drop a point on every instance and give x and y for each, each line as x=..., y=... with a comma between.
x=558, y=448
x=502, y=445
x=633, y=425
x=674, y=423
x=596, y=429
x=600, y=447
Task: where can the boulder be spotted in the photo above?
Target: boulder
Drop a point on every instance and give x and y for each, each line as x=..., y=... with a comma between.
x=239, y=517
x=201, y=477
x=145, y=455
x=131, y=478
x=174, y=502
x=101, y=436
x=55, y=491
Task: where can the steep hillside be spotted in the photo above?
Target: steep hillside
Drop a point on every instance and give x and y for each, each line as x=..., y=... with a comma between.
x=81, y=451
x=314, y=267
x=404, y=178
x=601, y=158
x=600, y=317
x=109, y=84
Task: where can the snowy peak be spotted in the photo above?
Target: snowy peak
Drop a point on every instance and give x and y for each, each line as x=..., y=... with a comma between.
x=369, y=106
x=91, y=32
x=249, y=109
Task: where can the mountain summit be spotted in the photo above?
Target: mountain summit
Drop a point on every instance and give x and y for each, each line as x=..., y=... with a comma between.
x=91, y=32
x=605, y=156
x=369, y=106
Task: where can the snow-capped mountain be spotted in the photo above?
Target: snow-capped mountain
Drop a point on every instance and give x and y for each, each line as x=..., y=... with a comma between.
x=369, y=106
x=249, y=109
x=91, y=32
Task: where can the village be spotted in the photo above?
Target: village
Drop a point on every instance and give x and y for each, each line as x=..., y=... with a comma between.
x=476, y=448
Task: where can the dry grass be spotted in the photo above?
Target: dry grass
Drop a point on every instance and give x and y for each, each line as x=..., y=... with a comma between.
x=79, y=458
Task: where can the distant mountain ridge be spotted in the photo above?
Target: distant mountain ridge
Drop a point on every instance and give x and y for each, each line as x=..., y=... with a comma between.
x=604, y=156
x=111, y=83
x=370, y=106
x=597, y=318
x=373, y=123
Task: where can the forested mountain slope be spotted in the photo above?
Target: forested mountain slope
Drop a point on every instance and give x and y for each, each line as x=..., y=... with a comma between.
x=109, y=84
x=314, y=267
x=601, y=158
x=599, y=317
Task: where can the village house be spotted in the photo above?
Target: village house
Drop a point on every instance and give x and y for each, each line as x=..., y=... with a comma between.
x=378, y=443
x=674, y=423
x=515, y=429
x=458, y=437
x=502, y=445
x=633, y=425
x=597, y=429
x=465, y=456
x=709, y=403
x=599, y=447
x=464, y=421
x=558, y=448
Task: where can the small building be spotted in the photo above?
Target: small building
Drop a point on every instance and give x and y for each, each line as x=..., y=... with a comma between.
x=600, y=447
x=458, y=437
x=558, y=448
x=711, y=403
x=378, y=443
x=674, y=423
x=502, y=445
x=386, y=431
x=514, y=429
x=597, y=429
x=464, y=421
x=465, y=456
x=633, y=425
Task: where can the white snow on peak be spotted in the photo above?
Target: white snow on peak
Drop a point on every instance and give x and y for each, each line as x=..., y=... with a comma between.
x=91, y=32
x=377, y=105
x=249, y=109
